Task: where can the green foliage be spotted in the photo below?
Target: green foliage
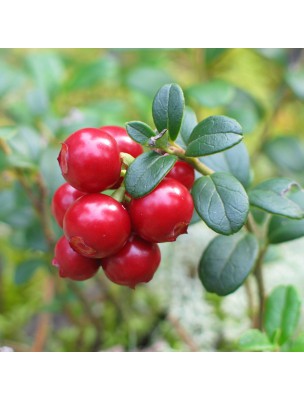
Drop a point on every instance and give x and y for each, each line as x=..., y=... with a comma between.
x=255, y=340
x=213, y=135
x=227, y=261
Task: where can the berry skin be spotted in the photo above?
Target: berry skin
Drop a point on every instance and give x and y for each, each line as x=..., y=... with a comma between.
x=71, y=264
x=89, y=160
x=124, y=142
x=96, y=225
x=163, y=214
x=135, y=263
x=184, y=173
x=64, y=196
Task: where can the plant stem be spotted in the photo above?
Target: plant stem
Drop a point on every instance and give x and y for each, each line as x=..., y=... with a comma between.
x=176, y=150
x=258, y=274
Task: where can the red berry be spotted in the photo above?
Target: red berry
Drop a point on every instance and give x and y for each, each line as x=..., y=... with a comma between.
x=71, y=264
x=125, y=143
x=184, y=173
x=89, y=160
x=96, y=225
x=163, y=214
x=64, y=196
x=135, y=263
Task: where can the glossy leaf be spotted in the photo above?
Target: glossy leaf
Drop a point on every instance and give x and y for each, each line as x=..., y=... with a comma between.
x=213, y=93
x=146, y=172
x=282, y=229
x=221, y=201
x=255, y=340
x=227, y=261
x=139, y=131
x=282, y=313
x=272, y=196
x=235, y=161
x=168, y=108
x=212, y=135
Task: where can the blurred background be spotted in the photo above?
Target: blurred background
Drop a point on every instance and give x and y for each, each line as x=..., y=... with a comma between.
x=45, y=95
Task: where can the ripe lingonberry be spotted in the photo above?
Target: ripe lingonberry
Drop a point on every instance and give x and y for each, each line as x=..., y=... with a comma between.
x=163, y=214
x=135, y=263
x=96, y=225
x=71, y=264
x=124, y=142
x=89, y=160
x=184, y=173
x=64, y=196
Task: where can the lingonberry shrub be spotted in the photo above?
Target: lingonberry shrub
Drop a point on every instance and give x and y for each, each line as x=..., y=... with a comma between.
x=154, y=197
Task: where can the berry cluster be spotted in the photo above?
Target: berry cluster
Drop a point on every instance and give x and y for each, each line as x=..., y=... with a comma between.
x=111, y=229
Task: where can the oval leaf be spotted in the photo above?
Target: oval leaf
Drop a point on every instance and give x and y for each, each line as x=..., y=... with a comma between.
x=235, y=161
x=146, y=172
x=212, y=135
x=221, y=201
x=139, y=131
x=227, y=261
x=168, y=108
x=272, y=196
x=282, y=312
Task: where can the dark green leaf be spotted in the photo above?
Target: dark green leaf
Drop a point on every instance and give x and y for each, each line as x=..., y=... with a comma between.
x=25, y=270
x=212, y=135
x=147, y=80
x=235, y=161
x=255, y=340
x=168, y=108
x=221, y=201
x=188, y=124
x=272, y=196
x=245, y=109
x=214, y=93
x=282, y=229
x=227, y=261
x=146, y=172
x=295, y=80
x=286, y=152
x=282, y=314
x=139, y=131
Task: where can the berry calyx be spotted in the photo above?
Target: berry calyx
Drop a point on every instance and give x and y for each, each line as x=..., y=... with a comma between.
x=135, y=263
x=63, y=197
x=71, y=264
x=163, y=214
x=96, y=225
x=89, y=160
x=184, y=173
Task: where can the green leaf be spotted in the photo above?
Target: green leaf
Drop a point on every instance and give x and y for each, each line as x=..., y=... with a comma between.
x=168, y=108
x=212, y=135
x=139, y=131
x=255, y=340
x=221, y=201
x=25, y=270
x=286, y=152
x=295, y=80
x=147, y=80
x=212, y=54
x=282, y=229
x=235, y=161
x=188, y=124
x=227, y=261
x=245, y=109
x=146, y=172
x=214, y=93
x=7, y=132
x=272, y=196
x=282, y=313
